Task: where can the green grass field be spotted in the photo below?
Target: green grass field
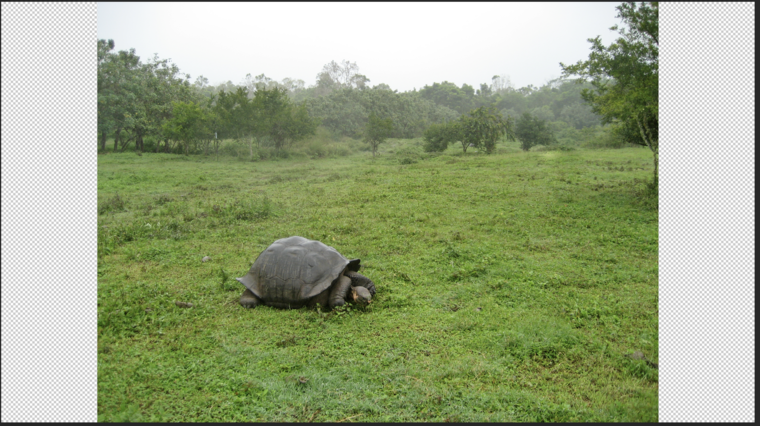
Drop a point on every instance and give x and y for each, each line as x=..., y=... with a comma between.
x=511, y=287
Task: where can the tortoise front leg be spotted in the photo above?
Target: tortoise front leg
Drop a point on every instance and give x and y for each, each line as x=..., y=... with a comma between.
x=249, y=300
x=339, y=291
x=359, y=280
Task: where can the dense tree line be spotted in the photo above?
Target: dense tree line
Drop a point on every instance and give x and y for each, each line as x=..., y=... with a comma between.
x=135, y=98
x=153, y=101
x=480, y=128
x=139, y=101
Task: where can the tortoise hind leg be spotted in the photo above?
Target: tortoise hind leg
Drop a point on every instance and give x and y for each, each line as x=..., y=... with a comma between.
x=249, y=300
x=359, y=280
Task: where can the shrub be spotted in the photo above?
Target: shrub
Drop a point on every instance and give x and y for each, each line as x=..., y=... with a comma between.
x=533, y=131
x=438, y=136
x=316, y=149
x=235, y=148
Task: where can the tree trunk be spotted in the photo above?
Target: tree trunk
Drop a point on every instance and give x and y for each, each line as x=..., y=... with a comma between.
x=652, y=144
x=116, y=140
x=139, y=143
x=103, y=136
x=125, y=144
x=250, y=147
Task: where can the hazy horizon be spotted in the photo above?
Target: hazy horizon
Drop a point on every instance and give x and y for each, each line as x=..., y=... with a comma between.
x=404, y=45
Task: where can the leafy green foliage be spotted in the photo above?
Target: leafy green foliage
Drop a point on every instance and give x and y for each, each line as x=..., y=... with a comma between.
x=482, y=127
x=187, y=123
x=439, y=136
x=449, y=95
x=281, y=120
x=135, y=101
x=345, y=111
x=532, y=131
x=624, y=76
x=378, y=129
x=135, y=98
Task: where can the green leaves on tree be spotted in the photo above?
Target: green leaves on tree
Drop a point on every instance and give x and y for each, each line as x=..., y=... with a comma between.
x=482, y=127
x=624, y=76
x=532, y=131
x=377, y=130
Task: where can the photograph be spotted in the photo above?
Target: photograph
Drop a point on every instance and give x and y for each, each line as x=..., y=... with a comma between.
x=371, y=212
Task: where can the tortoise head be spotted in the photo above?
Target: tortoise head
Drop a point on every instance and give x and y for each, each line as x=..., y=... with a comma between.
x=361, y=295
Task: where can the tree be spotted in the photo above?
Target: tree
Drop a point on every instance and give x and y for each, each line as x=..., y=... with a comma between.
x=359, y=81
x=345, y=111
x=449, y=95
x=482, y=127
x=280, y=119
x=201, y=82
x=500, y=83
x=532, y=131
x=439, y=135
x=484, y=91
x=468, y=90
x=164, y=85
x=341, y=75
x=300, y=124
x=579, y=115
x=237, y=115
x=118, y=89
x=209, y=125
x=295, y=88
x=186, y=124
x=624, y=76
x=377, y=131
x=104, y=86
x=543, y=113
x=135, y=98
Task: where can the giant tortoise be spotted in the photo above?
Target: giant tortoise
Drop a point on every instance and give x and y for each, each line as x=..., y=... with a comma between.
x=295, y=272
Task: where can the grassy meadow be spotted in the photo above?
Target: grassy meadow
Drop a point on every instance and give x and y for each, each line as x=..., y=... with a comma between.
x=510, y=287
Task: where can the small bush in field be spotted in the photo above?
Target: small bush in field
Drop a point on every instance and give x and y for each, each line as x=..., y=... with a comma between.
x=114, y=204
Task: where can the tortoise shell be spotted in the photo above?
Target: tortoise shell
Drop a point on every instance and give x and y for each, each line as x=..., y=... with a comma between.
x=293, y=270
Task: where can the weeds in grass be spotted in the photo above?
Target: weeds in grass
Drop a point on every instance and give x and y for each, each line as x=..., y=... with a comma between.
x=504, y=293
x=225, y=277
x=407, y=160
x=113, y=204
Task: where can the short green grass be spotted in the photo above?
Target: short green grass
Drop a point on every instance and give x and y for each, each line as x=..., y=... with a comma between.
x=510, y=288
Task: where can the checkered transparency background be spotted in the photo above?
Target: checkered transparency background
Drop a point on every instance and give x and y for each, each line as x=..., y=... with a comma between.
x=49, y=212
x=49, y=217
x=707, y=213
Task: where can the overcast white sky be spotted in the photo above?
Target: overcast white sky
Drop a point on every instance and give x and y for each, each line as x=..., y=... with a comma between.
x=404, y=45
